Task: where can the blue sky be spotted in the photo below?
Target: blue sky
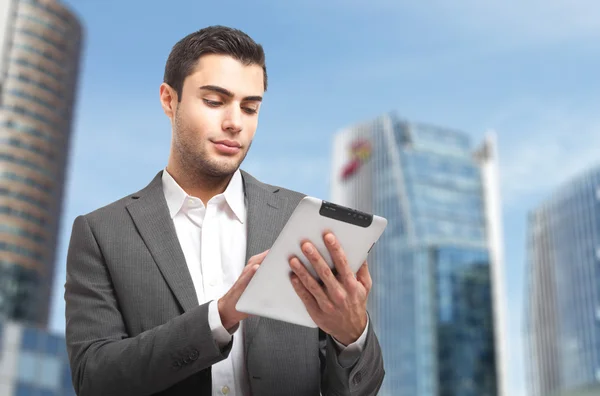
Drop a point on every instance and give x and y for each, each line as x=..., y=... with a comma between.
x=527, y=71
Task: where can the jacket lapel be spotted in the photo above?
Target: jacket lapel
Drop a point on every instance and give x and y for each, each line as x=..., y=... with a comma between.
x=151, y=217
x=265, y=218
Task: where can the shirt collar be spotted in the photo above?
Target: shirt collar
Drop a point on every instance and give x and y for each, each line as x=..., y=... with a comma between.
x=174, y=194
x=233, y=194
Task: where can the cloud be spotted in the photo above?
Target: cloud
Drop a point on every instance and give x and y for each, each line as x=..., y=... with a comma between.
x=534, y=21
x=542, y=148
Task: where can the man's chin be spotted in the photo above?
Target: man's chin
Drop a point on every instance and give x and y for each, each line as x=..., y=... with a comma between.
x=221, y=168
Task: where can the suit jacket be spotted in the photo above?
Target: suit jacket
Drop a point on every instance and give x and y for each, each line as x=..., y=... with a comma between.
x=134, y=325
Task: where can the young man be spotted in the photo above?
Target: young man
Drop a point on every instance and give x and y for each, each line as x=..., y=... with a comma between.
x=153, y=279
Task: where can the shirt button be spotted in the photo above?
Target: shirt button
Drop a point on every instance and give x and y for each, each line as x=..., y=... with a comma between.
x=225, y=390
x=212, y=282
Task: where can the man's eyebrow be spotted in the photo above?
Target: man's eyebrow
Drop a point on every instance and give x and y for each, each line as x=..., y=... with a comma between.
x=228, y=93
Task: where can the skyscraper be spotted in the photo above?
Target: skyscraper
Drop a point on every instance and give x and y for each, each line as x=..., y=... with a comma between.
x=33, y=362
x=40, y=46
x=437, y=295
x=562, y=318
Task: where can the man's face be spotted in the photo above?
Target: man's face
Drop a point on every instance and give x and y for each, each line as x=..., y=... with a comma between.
x=215, y=121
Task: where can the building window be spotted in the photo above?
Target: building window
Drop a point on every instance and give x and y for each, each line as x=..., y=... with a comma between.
x=14, y=142
x=36, y=100
x=28, y=367
x=50, y=368
x=21, y=251
x=55, y=28
x=53, y=345
x=25, y=390
x=27, y=181
x=31, y=131
x=36, y=116
x=35, y=237
x=30, y=340
x=26, y=79
x=26, y=163
x=45, y=40
x=37, y=68
x=23, y=215
x=49, y=10
x=45, y=54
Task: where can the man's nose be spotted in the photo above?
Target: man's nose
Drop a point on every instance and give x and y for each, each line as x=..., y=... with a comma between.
x=233, y=120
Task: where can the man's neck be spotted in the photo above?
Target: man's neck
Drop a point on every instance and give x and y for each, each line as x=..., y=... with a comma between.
x=200, y=186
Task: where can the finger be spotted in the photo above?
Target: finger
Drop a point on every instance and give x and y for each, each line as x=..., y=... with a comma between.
x=319, y=264
x=307, y=298
x=258, y=258
x=335, y=291
x=311, y=285
x=242, y=282
x=364, y=277
x=340, y=261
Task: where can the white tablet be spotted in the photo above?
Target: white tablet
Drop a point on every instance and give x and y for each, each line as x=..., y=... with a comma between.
x=270, y=292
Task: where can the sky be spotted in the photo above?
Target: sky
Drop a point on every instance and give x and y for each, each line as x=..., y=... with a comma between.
x=526, y=70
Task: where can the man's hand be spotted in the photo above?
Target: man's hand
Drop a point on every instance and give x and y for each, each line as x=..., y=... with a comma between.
x=230, y=317
x=339, y=307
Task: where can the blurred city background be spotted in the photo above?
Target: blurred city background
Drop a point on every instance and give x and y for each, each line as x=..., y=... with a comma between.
x=472, y=126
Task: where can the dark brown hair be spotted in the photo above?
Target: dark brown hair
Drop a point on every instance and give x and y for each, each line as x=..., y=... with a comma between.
x=219, y=40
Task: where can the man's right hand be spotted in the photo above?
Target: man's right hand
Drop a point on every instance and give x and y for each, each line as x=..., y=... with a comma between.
x=230, y=317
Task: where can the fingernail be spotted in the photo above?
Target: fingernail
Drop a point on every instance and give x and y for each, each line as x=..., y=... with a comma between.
x=307, y=248
x=329, y=238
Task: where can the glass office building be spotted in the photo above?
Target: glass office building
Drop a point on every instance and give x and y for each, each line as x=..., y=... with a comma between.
x=40, y=45
x=436, y=302
x=33, y=362
x=562, y=318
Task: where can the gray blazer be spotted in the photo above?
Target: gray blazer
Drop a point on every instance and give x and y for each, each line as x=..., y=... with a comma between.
x=134, y=326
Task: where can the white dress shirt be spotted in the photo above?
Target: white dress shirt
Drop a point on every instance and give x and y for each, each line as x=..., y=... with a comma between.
x=213, y=240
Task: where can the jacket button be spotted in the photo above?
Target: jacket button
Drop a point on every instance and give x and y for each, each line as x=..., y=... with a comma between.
x=194, y=355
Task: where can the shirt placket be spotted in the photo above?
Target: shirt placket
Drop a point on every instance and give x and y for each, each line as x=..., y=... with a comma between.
x=212, y=267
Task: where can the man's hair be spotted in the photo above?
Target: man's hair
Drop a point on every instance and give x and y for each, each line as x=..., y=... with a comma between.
x=218, y=40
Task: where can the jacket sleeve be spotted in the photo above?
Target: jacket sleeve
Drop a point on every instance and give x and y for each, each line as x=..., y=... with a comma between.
x=104, y=359
x=364, y=378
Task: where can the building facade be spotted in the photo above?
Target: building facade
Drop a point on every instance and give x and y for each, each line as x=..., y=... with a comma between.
x=437, y=297
x=40, y=47
x=33, y=362
x=562, y=317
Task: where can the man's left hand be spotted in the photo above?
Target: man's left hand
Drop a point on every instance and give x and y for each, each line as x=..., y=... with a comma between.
x=339, y=306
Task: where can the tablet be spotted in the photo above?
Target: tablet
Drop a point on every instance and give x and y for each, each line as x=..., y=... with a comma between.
x=270, y=292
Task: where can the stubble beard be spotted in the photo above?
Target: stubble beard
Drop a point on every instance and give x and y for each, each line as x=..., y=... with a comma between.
x=194, y=157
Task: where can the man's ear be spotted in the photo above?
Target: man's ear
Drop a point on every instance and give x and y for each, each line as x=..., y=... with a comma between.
x=168, y=99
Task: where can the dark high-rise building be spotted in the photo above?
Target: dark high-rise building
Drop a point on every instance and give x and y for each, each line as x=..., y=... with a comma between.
x=40, y=47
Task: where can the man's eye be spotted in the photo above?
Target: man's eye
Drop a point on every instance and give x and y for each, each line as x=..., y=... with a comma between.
x=211, y=103
x=250, y=110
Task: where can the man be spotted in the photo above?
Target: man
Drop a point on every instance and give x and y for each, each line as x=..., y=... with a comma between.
x=153, y=279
